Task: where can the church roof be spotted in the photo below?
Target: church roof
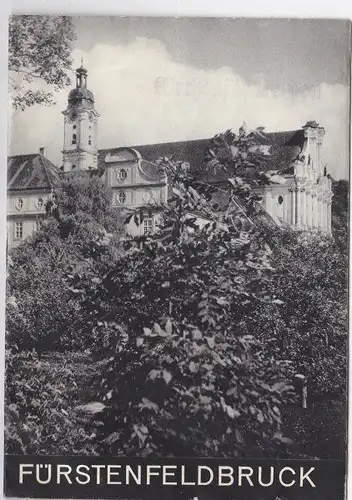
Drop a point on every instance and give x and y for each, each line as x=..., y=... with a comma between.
x=190, y=151
x=282, y=149
x=32, y=171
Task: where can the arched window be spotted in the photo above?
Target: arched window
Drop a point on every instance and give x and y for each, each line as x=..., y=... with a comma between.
x=90, y=140
x=74, y=127
x=19, y=204
x=280, y=200
x=39, y=203
x=121, y=197
x=74, y=139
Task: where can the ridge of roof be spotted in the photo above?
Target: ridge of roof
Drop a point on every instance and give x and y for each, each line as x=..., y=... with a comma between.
x=23, y=155
x=44, y=168
x=161, y=144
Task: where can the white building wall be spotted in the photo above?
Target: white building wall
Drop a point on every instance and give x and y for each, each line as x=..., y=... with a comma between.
x=30, y=213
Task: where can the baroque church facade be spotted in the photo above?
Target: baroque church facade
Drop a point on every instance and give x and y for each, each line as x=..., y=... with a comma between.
x=302, y=200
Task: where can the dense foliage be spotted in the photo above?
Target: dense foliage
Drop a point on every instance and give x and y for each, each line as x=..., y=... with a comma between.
x=39, y=49
x=39, y=416
x=340, y=211
x=181, y=375
x=196, y=333
x=43, y=311
x=310, y=329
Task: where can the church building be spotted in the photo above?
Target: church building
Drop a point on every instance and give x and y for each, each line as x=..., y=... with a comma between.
x=302, y=200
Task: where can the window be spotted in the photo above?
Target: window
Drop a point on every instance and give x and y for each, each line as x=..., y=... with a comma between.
x=280, y=200
x=74, y=127
x=38, y=225
x=19, y=204
x=73, y=167
x=121, y=175
x=90, y=140
x=147, y=226
x=19, y=230
x=74, y=139
x=39, y=203
x=121, y=197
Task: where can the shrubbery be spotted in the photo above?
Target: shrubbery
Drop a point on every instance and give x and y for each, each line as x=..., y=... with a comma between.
x=43, y=312
x=182, y=376
x=311, y=326
x=199, y=329
x=39, y=416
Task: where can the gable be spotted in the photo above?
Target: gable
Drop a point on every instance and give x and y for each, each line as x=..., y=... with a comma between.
x=121, y=155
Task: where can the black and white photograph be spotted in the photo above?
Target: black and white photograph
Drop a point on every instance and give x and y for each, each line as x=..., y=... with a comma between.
x=177, y=258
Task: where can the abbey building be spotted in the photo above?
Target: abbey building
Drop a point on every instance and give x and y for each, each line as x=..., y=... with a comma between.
x=302, y=200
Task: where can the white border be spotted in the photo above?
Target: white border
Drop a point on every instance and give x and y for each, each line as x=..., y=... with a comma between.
x=203, y=8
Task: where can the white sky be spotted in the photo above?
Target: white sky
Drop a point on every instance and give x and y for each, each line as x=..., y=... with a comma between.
x=159, y=80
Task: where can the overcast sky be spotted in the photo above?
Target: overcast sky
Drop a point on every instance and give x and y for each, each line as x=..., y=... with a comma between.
x=159, y=80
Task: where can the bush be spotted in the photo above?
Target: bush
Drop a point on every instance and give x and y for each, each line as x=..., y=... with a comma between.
x=181, y=376
x=39, y=414
x=43, y=312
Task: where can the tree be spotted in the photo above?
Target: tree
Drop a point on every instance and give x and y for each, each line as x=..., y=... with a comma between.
x=43, y=311
x=179, y=373
x=39, y=50
x=309, y=327
x=339, y=212
x=310, y=282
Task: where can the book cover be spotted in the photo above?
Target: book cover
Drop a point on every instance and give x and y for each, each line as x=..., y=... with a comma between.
x=177, y=258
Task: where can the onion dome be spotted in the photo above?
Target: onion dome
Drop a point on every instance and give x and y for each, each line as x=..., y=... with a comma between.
x=80, y=93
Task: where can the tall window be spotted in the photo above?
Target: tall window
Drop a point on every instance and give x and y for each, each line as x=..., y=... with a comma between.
x=147, y=226
x=121, y=175
x=121, y=197
x=19, y=230
x=38, y=225
x=19, y=204
x=39, y=203
x=74, y=139
x=74, y=127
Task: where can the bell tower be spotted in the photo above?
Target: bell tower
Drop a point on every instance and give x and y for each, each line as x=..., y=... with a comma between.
x=80, y=127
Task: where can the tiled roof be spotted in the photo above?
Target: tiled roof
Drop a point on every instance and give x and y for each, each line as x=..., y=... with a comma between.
x=190, y=151
x=288, y=138
x=31, y=172
x=283, y=149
